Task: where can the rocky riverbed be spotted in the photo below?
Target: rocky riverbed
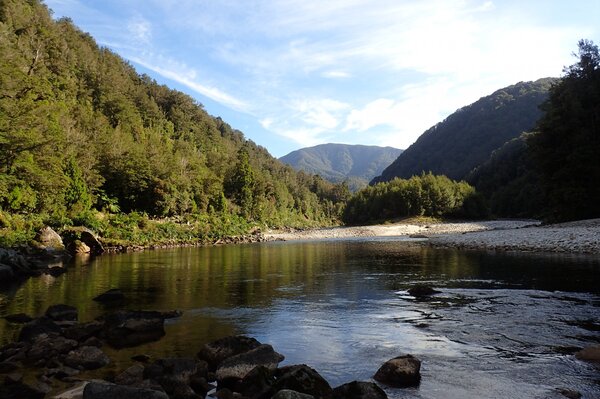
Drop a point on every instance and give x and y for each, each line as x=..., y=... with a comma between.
x=505, y=235
x=57, y=356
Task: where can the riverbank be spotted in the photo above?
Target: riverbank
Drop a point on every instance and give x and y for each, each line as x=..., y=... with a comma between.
x=503, y=235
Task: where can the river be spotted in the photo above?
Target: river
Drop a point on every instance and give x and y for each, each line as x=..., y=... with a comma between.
x=504, y=325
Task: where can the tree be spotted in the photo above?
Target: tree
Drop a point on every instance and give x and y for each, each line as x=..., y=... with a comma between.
x=240, y=185
x=567, y=143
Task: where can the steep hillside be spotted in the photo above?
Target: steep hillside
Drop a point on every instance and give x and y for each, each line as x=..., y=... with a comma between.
x=81, y=131
x=356, y=164
x=467, y=138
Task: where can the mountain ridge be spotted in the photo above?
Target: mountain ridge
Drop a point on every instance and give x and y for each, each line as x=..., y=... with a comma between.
x=356, y=164
x=467, y=137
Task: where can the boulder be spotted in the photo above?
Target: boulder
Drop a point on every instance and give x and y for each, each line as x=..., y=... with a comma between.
x=83, y=331
x=257, y=384
x=175, y=374
x=105, y=390
x=289, y=394
x=62, y=312
x=6, y=273
x=216, y=351
x=49, y=239
x=20, y=318
x=421, y=291
x=569, y=393
x=111, y=296
x=359, y=390
x=75, y=392
x=56, y=271
x=49, y=346
x=85, y=236
x=236, y=367
x=128, y=328
x=16, y=262
x=303, y=379
x=79, y=247
x=401, y=371
x=39, y=326
x=86, y=357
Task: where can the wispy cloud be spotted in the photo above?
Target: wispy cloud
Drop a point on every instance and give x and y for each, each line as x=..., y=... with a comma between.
x=342, y=70
x=188, y=79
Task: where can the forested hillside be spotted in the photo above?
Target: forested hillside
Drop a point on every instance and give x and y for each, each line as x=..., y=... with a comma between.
x=83, y=136
x=467, y=138
x=354, y=164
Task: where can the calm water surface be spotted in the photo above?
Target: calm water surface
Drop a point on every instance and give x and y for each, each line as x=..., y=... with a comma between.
x=503, y=327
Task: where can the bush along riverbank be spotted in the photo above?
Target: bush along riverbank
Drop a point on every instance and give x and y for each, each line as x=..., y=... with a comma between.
x=53, y=352
x=28, y=247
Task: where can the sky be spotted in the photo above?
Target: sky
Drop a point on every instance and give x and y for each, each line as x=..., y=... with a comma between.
x=297, y=73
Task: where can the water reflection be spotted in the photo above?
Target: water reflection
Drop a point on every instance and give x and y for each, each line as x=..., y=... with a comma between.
x=341, y=307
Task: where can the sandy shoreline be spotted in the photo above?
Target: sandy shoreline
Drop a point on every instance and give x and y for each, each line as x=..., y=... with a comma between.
x=506, y=235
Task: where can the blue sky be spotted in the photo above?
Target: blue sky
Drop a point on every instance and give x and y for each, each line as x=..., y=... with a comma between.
x=296, y=73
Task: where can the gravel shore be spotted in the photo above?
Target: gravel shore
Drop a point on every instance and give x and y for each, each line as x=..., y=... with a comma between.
x=506, y=235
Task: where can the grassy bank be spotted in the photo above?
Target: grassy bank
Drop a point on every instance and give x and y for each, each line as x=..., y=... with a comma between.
x=134, y=229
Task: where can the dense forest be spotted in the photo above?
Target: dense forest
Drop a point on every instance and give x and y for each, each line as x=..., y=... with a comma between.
x=355, y=165
x=466, y=138
x=423, y=195
x=85, y=139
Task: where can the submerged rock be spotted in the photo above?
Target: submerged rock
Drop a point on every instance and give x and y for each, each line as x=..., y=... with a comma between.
x=420, y=291
x=401, y=371
x=591, y=353
x=110, y=296
x=359, y=390
x=216, y=351
x=129, y=328
x=20, y=318
x=62, y=312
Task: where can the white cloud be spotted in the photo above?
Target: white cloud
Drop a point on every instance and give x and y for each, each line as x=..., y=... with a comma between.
x=187, y=78
x=140, y=30
x=336, y=74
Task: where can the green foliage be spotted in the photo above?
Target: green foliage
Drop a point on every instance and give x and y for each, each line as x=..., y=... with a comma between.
x=467, y=138
x=566, y=144
x=424, y=195
x=81, y=131
x=509, y=181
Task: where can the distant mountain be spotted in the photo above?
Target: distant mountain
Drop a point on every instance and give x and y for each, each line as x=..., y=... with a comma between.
x=356, y=164
x=468, y=137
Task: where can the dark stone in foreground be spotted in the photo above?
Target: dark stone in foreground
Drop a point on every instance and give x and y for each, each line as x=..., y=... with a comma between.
x=39, y=326
x=289, y=394
x=303, y=379
x=401, y=371
x=359, y=390
x=62, y=312
x=420, y=291
x=236, y=367
x=591, y=353
x=87, y=357
x=100, y=390
x=216, y=351
x=129, y=328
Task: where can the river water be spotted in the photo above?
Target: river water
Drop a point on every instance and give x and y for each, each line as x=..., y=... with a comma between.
x=504, y=325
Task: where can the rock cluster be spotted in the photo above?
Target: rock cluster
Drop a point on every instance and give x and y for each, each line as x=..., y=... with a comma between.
x=59, y=348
